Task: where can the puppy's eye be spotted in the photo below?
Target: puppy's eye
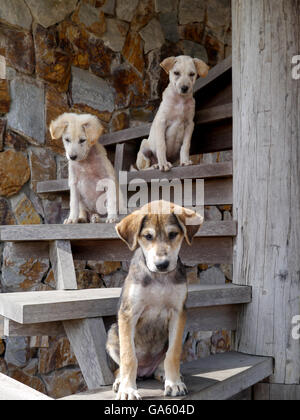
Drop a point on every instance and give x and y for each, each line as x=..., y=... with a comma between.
x=68, y=140
x=177, y=73
x=192, y=74
x=173, y=235
x=149, y=237
x=81, y=141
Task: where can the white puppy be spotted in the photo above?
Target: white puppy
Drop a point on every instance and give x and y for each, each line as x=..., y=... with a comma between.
x=88, y=166
x=172, y=129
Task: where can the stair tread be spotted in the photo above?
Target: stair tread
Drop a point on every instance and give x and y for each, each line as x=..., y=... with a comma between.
x=62, y=305
x=102, y=231
x=218, y=377
x=202, y=171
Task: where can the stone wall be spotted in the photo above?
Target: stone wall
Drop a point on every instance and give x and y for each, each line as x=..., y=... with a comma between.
x=98, y=56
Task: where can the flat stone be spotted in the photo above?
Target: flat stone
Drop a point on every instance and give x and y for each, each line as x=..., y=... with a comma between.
x=131, y=89
x=221, y=342
x=215, y=47
x=108, y=7
x=56, y=104
x=87, y=279
x=212, y=276
x=50, y=12
x=21, y=275
x=143, y=14
x=104, y=268
x=100, y=57
x=4, y=97
x=192, y=32
x=212, y=213
x=2, y=132
x=51, y=65
x=120, y=122
x=153, y=36
x=227, y=269
x=191, y=11
x=115, y=280
x=115, y=35
x=53, y=212
x=42, y=165
x=15, y=141
x=126, y=8
x=91, y=18
x=164, y=6
x=133, y=51
x=18, y=48
x=25, y=212
x=14, y=172
x=169, y=26
x=2, y=347
x=16, y=13
x=6, y=215
x=27, y=115
x=29, y=380
x=195, y=50
x=57, y=356
x=92, y=91
x=65, y=382
x=218, y=15
x=17, y=351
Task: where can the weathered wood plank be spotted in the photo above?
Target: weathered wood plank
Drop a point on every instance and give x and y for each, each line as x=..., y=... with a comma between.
x=103, y=231
x=39, y=307
x=119, y=158
x=198, y=319
x=11, y=390
x=276, y=392
x=266, y=154
x=217, y=377
x=217, y=113
x=63, y=265
x=210, y=138
x=88, y=339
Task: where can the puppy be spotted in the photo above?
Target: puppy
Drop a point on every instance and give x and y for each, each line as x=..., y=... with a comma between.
x=147, y=340
x=172, y=129
x=88, y=165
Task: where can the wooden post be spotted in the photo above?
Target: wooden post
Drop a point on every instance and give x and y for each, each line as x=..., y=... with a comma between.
x=266, y=150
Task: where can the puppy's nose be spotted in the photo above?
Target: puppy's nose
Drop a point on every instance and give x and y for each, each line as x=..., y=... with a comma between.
x=184, y=89
x=73, y=157
x=163, y=266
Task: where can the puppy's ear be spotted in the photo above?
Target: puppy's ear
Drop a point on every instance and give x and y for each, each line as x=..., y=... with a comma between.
x=202, y=68
x=168, y=64
x=58, y=126
x=129, y=229
x=93, y=129
x=189, y=221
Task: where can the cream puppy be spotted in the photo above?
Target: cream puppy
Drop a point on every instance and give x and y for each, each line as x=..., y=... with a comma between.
x=172, y=129
x=88, y=167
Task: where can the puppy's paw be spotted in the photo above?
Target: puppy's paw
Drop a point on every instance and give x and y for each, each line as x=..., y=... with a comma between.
x=116, y=385
x=95, y=218
x=127, y=393
x=166, y=167
x=112, y=219
x=70, y=221
x=186, y=163
x=175, y=389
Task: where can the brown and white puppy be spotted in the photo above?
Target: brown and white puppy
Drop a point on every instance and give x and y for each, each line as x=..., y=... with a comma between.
x=88, y=164
x=147, y=340
x=172, y=129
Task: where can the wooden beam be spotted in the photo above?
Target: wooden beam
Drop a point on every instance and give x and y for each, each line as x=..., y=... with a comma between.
x=266, y=179
x=216, y=113
x=51, y=329
x=103, y=231
x=52, y=306
x=63, y=265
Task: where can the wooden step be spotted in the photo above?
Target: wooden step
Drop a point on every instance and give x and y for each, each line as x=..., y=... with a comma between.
x=51, y=306
x=214, y=114
x=11, y=390
x=217, y=377
x=103, y=231
x=217, y=170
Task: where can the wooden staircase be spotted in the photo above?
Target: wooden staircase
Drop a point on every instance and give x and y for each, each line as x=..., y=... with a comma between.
x=85, y=315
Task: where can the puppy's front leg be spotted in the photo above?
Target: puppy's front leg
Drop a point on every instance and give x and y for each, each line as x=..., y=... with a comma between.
x=186, y=145
x=128, y=360
x=161, y=147
x=173, y=385
x=74, y=206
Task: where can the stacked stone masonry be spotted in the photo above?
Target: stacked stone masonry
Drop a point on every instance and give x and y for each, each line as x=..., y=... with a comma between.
x=102, y=57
